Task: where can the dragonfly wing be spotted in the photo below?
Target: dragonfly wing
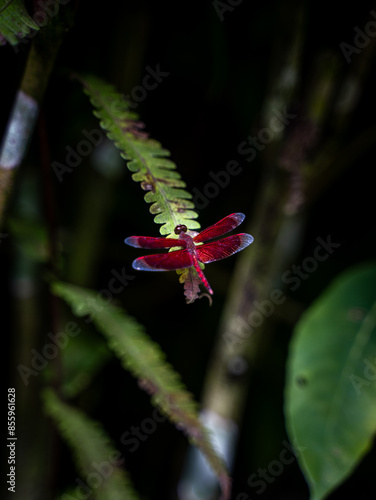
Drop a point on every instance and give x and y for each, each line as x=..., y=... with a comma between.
x=149, y=242
x=223, y=248
x=221, y=227
x=164, y=261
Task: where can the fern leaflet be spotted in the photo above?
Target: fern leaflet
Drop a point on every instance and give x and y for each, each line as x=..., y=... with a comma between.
x=15, y=22
x=171, y=204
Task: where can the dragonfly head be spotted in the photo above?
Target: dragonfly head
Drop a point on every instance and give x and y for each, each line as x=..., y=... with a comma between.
x=180, y=228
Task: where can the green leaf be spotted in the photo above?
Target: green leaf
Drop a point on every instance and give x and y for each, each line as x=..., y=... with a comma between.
x=330, y=400
x=93, y=451
x=15, y=22
x=145, y=360
x=171, y=204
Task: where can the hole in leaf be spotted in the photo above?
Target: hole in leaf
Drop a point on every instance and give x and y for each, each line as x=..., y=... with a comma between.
x=302, y=381
x=147, y=186
x=237, y=367
x=356, y=314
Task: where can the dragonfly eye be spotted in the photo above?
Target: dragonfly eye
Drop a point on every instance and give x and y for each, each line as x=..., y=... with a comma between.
x=180, y=228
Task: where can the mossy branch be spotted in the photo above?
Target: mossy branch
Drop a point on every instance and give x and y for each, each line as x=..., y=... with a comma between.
x=40, y=63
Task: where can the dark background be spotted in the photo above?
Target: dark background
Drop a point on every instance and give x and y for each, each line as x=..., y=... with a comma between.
x=219, y=74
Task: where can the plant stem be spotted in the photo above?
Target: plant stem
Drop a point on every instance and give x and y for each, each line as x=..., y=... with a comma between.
x=21, y=123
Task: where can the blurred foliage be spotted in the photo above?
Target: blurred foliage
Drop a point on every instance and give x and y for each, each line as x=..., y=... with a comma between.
x=98, y=461
x=143, y=358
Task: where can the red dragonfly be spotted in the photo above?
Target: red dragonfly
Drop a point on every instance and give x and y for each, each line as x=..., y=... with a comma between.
x=192, y=254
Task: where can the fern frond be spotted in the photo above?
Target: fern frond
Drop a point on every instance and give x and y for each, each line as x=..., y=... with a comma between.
x=171, y=203
x=92, y=450
x=145, y=360
x=15, y=22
